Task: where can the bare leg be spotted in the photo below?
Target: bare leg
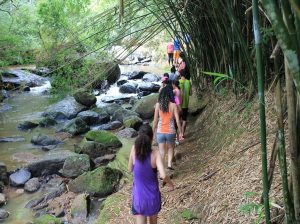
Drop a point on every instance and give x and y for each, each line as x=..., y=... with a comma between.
x=153, y=219
x=183, y=127
x=170, y=154
x=140, y=219
x=161, y=147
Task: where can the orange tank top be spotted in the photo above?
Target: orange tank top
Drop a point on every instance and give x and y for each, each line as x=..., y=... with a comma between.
x=166, y=123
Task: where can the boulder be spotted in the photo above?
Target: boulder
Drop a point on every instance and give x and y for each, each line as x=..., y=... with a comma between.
x=121, y=114
x=3, y=214
x=134, y=122
x=106, y=138
x=79, y=208
x=50, y=163
x=109, y=126
x=19, y=178
x=75, y=126
x=128, y=88
x=67, y=108
x=197, y=105
x=76, y=165
x=121, y=82
x=90, y=117
x=127, y=133
x=110, y=71
x=12, y=139
x=94, y=149
x=149, y=77
x=47, y=122
x=148, y=86
x=26, y=89
x=3, y=173
x=145, y=106
x=103, y=160
x=44, y=140
x=27, y=125
x=32, y=185
x=109, y=109
x=85, y=98
x=47, y=219
x=136, y=74
x=3, y=199
x=100, y=182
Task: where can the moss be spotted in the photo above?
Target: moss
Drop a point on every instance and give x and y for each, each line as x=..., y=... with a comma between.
x=188, y=215
x=47, y=219
x=104, y=137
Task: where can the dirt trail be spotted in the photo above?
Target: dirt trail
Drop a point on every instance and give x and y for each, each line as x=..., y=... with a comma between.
x=219, y=168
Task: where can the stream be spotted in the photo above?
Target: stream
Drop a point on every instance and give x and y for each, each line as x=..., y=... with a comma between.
x=24, y=106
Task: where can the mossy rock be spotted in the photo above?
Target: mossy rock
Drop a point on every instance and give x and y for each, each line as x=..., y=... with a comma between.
x=145, y=106
x=76, y=165
x=47, y=122
x=106, y=138
x=47, y=219
x=85, y=98
x=123, y=114
x=76, y=126
x=100, y=182
x=133, y=122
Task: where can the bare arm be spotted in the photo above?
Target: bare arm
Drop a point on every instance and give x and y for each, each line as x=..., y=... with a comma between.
x=176, y=114
x=155, y=119
x=161, y=170
x=130, y=162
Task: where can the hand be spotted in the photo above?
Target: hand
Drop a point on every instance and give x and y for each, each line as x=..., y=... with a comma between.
x=181, y=137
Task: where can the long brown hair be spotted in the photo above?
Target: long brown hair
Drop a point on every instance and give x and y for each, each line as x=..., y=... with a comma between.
x=143, y=143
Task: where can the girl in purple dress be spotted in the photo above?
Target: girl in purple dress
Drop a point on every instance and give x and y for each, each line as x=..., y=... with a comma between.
x=144, y=163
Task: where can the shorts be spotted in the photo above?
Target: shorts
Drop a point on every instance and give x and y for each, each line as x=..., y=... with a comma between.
x=164, y=137
x=170, y=55
x=176, y=55
x=184, y=113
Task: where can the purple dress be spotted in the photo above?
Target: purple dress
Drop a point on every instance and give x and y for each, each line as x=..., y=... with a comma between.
x=146, y=199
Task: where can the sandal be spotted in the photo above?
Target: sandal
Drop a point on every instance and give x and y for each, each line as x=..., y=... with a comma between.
x=170, y=168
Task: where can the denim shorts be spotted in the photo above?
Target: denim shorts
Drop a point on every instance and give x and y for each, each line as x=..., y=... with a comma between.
x=163, y=138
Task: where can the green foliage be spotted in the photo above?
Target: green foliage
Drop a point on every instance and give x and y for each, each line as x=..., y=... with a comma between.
x=188, y=215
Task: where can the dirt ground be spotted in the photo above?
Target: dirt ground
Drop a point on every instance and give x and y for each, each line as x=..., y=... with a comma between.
x=218, y=169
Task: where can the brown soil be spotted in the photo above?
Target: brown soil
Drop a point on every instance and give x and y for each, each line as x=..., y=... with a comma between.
x=220, y=162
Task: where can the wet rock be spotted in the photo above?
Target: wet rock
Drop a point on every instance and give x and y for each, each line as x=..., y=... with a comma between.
x=47, y=122
x=121, y=82
x=47, y=219
x=19, y=178
x=85, y=98
x=145, y=106
x=4, y=107
x=34, y=202
x=127, y=133
x=26, y=89
x=128, y=88
x=151, y=78
x=32, y=185
x=68, y=108
x=13, y=139
x=94, y=149
x=20, y=191
x=79, y=208
x=109, y=126
x=27, y=125
x=111, y=72
x=148, y=86
x=121, y=114
x=2, y=199
x=44, y=140
x=90, y=117
x=55, y=192
x=99, y=182
x=3, y=214
x=3, y=173
x=103, y=160
x=109, y=140
x=48, y=147
x=115, y=99
x=136, y=74
x=109, y=109
x=134, y=122
x=76, y=165
x=75, y=126
x=144, y=93
x=50, y=163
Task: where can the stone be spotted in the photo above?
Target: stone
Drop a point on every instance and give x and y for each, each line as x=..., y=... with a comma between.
x=121, y=114
x=134, y=122
x=136, y=75
x=85, y=98
x=109, y=126
x=47, y=122
x=127, y=88
x=127, y=133
x=145, y=106
x=76, y=126
x=100, y=182
x=109, y=109
x=121, y=82
x=32, y=185
x=50, y=163
x=106, y=138
x=103, y=160
x=94, y=149
x=44, y=140
x=3, y=199
x=67, y=108
x=3, y=214
x=111, y=72
x=150, y=78
x=76, y=165
x=90, y=117
x=27, y=125
x=148, y=86
x=26, y=89
x=3, y=173
x=19, y=178
x=79, y=208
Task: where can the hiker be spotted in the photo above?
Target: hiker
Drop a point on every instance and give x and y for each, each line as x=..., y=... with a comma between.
x=144, y=163
x=177, y=97
x=165, y=115
x=170, y=51
x=181, y=62
x=164, y=81
x=186, y=88
x=173, y=74
x=176, y=50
